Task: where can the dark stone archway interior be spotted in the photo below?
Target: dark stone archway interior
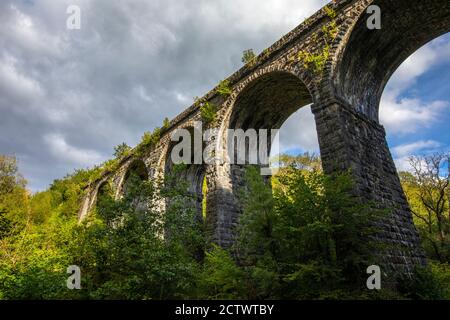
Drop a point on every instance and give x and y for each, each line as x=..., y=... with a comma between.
x=372, y=56
x=268, y=101
x=137, y=170
x=190, y=174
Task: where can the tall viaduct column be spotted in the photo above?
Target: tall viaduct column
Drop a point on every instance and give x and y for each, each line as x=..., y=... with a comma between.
x=223, y=208
x=348, y=140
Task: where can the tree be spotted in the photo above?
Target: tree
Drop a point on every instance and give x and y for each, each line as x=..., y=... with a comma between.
x=121, y=150
x=303, y=236
x=166, y=123
x=10, y=177
x=13, y=195
x=248, y=57
x=427, y=189
x=141, y=252
x=5, y=225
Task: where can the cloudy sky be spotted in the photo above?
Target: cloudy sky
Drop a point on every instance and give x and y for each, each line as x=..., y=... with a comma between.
x=67, y=97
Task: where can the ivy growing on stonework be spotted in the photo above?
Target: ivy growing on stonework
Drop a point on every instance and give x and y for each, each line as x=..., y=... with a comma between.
x=315, y=61
x=224, y=88
x=208, y=112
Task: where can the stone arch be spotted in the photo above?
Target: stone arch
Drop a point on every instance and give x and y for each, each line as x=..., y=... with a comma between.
x=299, y=88
x=268, y=101
x=350, y=135
x=264, y=101
x=136, y=172
x=90, y=199
x=368, y=58
x=193, y=173
x=103, y=189
x=136, y=168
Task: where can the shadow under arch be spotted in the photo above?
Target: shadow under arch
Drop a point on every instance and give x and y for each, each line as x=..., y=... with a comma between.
x=370, y=57
x=265, y=103
x=137, y=170
x=190, y=174
x=104, y=194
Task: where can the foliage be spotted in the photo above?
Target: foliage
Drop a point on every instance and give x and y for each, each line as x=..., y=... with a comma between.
x=166, y=123
x=441, y=272
x=302, y=235
x=330, y=12
x=33, y=262
x=13, y=196
x=249, y=57
x=122, y=150
x=424, y=285
x=309, y=235
x=304, y=239
x=134, y=260
x=306, y=162
x=221, y=277
x=149, y=139
x=6, y=225
x=9, y=175
x=126, y=250
x=224, y=88
x=428, y=192
x=204, y=193
x=208, y=111
x=316, y=60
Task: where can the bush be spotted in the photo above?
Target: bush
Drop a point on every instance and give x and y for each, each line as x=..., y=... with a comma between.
x=249, y=57
x=425, y=284
x=224, y=88
x=208, y=112
x=306, y=239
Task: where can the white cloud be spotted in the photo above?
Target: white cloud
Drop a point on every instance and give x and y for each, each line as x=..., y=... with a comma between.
x=298, y=132
x=413, y=67
x=402, y=152
x=411, y=148
x=70, y=154
x=29, y=34
x=402, y=115
x=182, y=98
x=142, y=93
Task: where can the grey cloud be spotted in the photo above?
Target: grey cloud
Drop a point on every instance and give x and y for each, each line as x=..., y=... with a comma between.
x=131, y=64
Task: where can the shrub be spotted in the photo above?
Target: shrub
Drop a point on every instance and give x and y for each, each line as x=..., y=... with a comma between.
x=249, y=57
x=224, y=88
x=208, y=112
x=424, y=285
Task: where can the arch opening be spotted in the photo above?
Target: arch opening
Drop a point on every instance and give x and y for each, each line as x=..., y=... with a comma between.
x=371, y=57
x=269, y=102
x=104, y=196
x=135, y=176
x=414, y=109
x=190, y=175
x=137, y=171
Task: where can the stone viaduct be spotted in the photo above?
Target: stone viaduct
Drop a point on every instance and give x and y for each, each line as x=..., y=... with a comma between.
x=340, y=66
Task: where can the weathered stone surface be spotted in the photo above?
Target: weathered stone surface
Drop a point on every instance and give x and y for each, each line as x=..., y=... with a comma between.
x=345, y=97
